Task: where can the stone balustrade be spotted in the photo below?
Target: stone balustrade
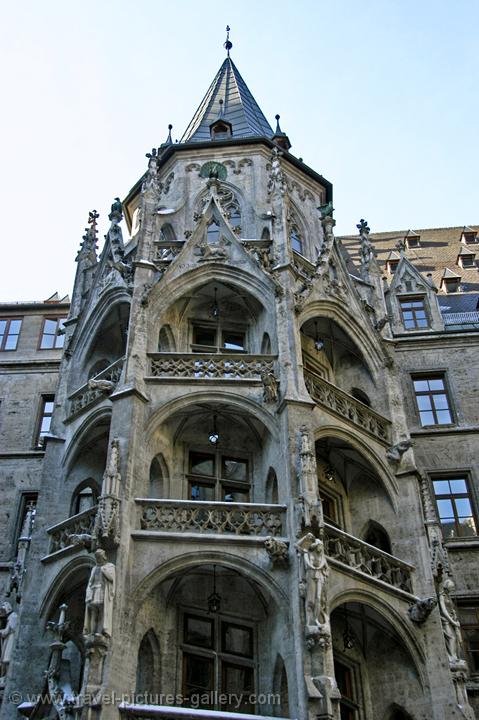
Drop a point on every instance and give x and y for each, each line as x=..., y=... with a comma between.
x=367, y=559
x=185, y=516
x=233, y=366
x=88, y=395
x=81, y=524
x=346, y=406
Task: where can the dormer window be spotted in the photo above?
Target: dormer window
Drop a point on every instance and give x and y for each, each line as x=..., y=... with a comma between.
x=413, y=311
x=412, y=239
x=450, y=281
x=469, y=236
x=213, y=233
x=466, y=258
x=220, y=130
x=295, y=240
x=392, y=265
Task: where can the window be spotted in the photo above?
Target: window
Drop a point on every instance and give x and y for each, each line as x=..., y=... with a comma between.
x=432, y=400
x=214, y=476
x=454, y=506
x=84, y=498
x=295, y=240
x=213, y=233
x=467, y=261
x=346, y=685
x=413, y=313
x=214, y=338
x=392, y=266
x=9, y=332
x=218, y=657
x=46, y=413
x=26, y=517
x=52, y=334
x=469, y=237
x=469, y=619
x=412, y=241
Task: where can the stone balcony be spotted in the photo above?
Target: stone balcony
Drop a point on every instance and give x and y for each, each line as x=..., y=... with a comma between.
x=348, y=408
x=88, y=395
x=60, y=534
x=210, y=366
x=219, y=520
x=358, y=557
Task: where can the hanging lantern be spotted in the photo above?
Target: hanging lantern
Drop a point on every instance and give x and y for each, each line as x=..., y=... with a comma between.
x=213, y=435
x=214, y=600
x=318, y=343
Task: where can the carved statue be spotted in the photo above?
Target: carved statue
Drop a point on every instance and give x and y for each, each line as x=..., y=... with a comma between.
x=420, y=611
x=395, y=452
x=450, y=623
x=116, y=213
x=316, y=572
x=7, y=637
x=111, y=476
x=326, y=210
x=277, y=550
x=105, y=386
x=270, y=387
x=379, y=324
x=276, y=181
x=100, y=594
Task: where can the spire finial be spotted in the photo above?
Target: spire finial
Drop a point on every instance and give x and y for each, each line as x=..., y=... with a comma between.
x=228, y=44
x=169, y=140
x=278, y=129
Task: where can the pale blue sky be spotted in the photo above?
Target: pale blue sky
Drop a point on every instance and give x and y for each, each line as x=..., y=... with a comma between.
x=379, y=96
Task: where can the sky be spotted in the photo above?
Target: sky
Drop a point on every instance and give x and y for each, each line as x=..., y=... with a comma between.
x=379, y=96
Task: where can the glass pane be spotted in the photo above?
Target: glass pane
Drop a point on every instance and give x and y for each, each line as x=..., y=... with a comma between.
x=59, y=340
x=15, y=326
x=296, y=243
x=458, y=486
x=202, y=463
x=408, y=324
x=233, y=341
x=440, y=402
x=408, y=315
x=3, y=326
x=445, y=508
x=45, y=427
x=198, y=673
x=237, y=640
x=421, y=385
x=424, y=402
x=202, y=492
x=449, y=529
x=213, y=233
x=11, y=342
x=427, y=418
x=235, y=495
x=463, y=507
x=467, y=526
x=444, y=417
x=199, y=631
x=48, y=342
x=48, y=407
x=437, y=384
x=234, y=469
x=237, y=679
x=204, y=336
x=422, y=322
x=441, y=487
x=50, y=327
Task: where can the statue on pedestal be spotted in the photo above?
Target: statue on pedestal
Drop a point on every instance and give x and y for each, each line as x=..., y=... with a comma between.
x=100, y=594
x=7, y=638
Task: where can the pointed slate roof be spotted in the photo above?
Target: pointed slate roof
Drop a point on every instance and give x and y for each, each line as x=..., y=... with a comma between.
x=239, y=108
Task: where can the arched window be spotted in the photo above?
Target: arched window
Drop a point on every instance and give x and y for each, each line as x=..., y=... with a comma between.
x=361, y=396
x=376, y=535
x=166, y=341
x=296, y=240
x=85, y=496
x=167, y=234
x=213, y=232
x=234, y=216
x=98, y=367
x=265, y=235
x=272, y=487
x=158, y=474
x=147, y=667
x=266, y=344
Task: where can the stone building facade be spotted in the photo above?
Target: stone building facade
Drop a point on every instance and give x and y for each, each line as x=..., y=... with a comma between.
x=257, y=493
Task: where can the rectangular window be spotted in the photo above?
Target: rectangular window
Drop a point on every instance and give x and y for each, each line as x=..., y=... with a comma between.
x=469, y=619
x=432, y=400
x=413, y=313
x=347, y=687
x=9, y=332
x=26, y=517
x=214, y=476
x=46, y=413
x=217, y=339
x=454, y=506
x=52, y=334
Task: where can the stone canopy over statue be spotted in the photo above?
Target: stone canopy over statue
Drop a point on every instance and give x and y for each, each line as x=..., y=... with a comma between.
x=100, y=594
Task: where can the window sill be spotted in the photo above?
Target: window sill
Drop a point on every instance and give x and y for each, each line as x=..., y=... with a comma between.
x=462, y=543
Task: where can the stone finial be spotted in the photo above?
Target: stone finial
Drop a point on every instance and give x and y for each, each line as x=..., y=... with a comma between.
x=169, y=139
x=228, y=44
x=116, y=214
x=363, y=228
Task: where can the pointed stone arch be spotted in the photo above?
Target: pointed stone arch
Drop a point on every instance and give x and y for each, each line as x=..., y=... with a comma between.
x=272, y=493
x=148, y=667
x=159, y=478
x=166, y=339
x=280, y=688
x=375, y=534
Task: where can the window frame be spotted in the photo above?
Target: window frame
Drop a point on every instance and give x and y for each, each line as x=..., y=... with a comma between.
x=29, y=496
x=219, y=657
x=414, y=299
x=7, y=334
x=354, y=703
x=44, y=399
x=427, y=376
x=469, y=494
x=219, y=329
x=52, y=318
x=469, y=605
x=217, y=481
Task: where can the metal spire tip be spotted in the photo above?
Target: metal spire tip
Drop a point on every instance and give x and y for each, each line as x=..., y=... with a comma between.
x=228, y=44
